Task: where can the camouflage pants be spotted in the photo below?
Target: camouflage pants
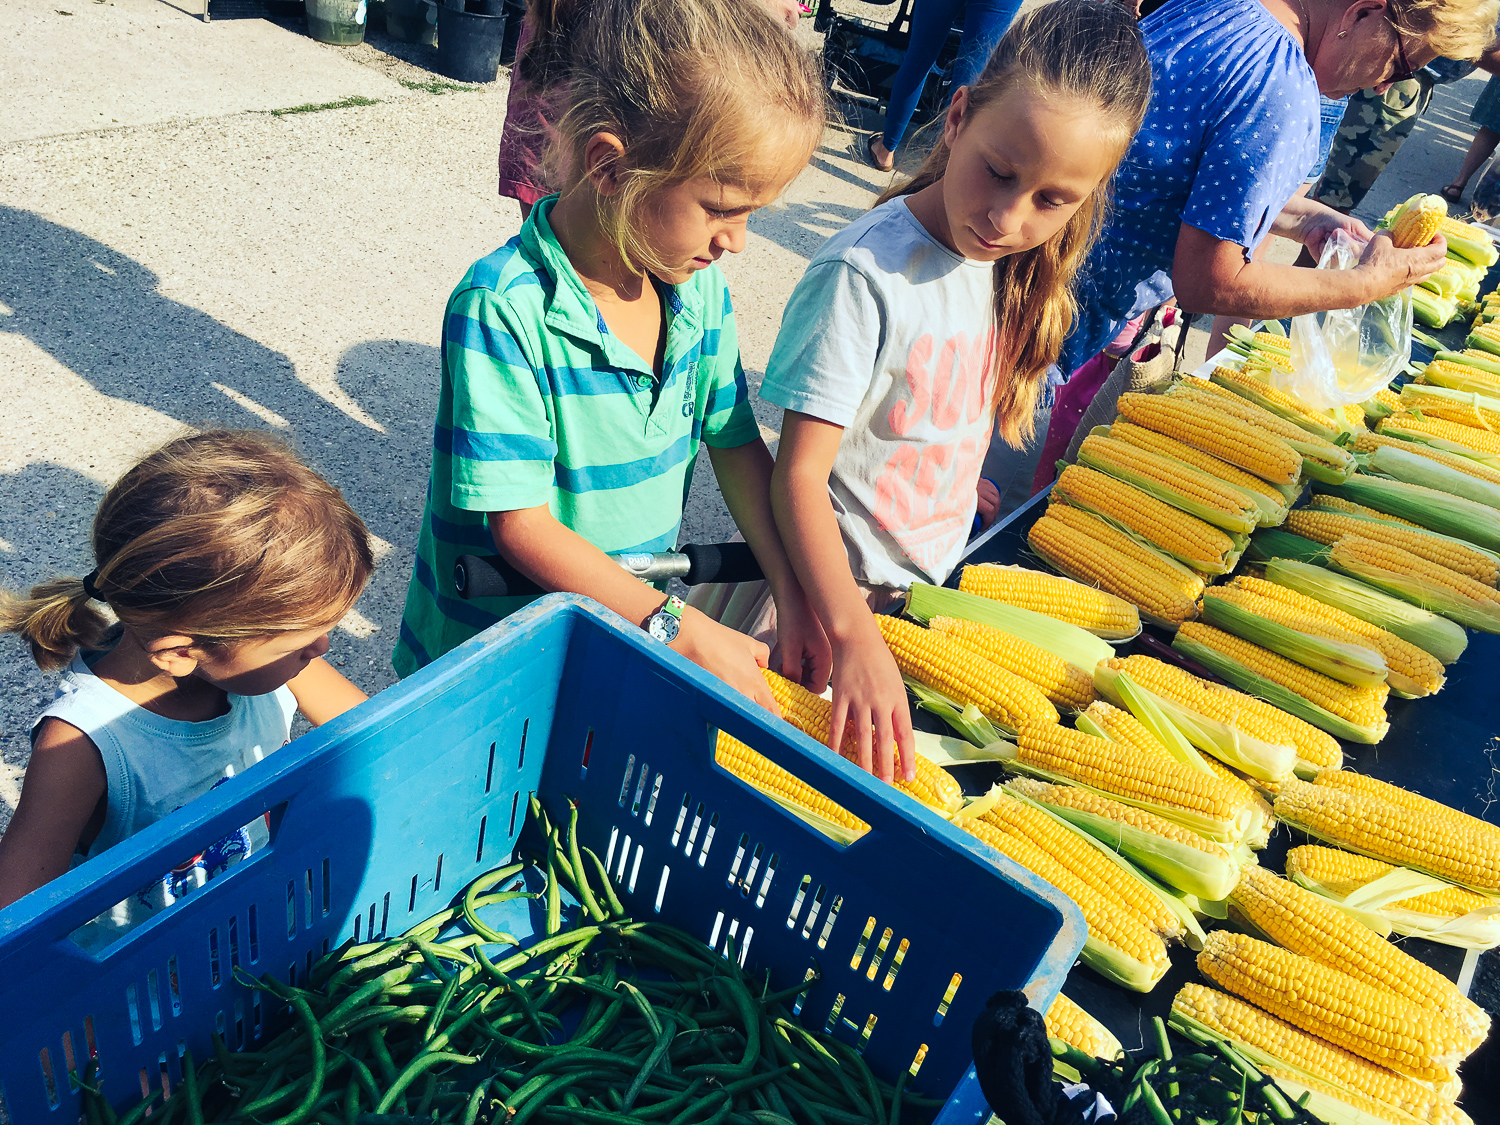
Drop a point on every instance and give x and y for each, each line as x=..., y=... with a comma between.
x=1373, y=130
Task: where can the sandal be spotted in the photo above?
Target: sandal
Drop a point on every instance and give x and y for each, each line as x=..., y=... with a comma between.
x=1452, y=193
x=869, y=151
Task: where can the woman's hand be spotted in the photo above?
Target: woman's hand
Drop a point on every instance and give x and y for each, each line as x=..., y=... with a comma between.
x=806, y=655
x=733, y=657
x=1319, y=226
x=868, y=691
x=989, y=502
x=1389, y=270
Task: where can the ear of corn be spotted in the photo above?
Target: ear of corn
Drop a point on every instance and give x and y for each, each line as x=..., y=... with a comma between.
x=1427, y=507
x=1271, y=500
x=1277, y=402
x=1084, y=547
x=1447, y=914
x=962, y=675
x=1412, y=468
x=1435, y=635
x=1185, y=538
x=1065, y=684
x=1080, y=647
x=1381, y=404
x=1329, y=527
x=1190, y=489
x=1435, y=811
x=1322, y=502
x=1476, y=360
x=1175, y=855
x=1120, y=947
x=1322, y=459
x=1061, y=599
x=1239, y=730
x=1410, y=671
x=1416, y=221
x=1452, y=437
x=1300, y=921
x=1067, y=1021
x=1461, y=377
x=1369, y=443
x=1391, y=833
x=1370, y=1022
x=1464, y=407
x=787, y=790
x=1343, y=658
x=1213, y=431
x=1203, y=803
x=1485, y=339
x=1406, y=576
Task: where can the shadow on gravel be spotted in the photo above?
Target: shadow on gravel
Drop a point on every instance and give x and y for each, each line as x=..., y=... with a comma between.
x=803, y=227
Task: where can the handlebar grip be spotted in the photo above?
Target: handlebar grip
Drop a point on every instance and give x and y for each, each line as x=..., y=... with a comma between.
x=721, y=562
x=490, y=576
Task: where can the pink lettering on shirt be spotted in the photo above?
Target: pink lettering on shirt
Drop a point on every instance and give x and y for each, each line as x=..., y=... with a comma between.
x=919, y=381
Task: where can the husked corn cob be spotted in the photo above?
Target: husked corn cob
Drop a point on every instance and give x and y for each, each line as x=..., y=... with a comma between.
x=1199, y=544
x=1051, y=596
x=1417, y=668
x=1085, y=800
x=1106, y=920
x=1085, y=546
x=1368, y=443
x=1207, y=463
x=1292, y=1083
x=1317, y=423
x=1343, y=873
x=1067, y=1021
x=1369, y=552
x=1127, y=450
x=1243, y=1023
x=1365, y=706
x=1330, y=527
x=1224, y=435
x=1065, y=684
x=1435, y=811
x=1473, y=376
x=1354, y=417
x=1212, y=395
x=1371, y=1022
x=1301, y=921
x=1387, y=398
x=1459, y=227
x=1255, y=717
x=1470, y=437
x=1464, y=413
x=1125, y=771
x=1087, y=862
x=943, y=664
x=933, y=787
x=1418, y=221
x=1329, y=502
x=756, y=769
x=1398, y=835
x=1267, y=359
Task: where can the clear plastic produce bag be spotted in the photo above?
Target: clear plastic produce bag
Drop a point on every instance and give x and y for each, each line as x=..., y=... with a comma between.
x=1344, y=356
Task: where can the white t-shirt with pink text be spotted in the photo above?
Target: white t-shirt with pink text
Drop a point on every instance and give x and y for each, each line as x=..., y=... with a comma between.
x=890, y=335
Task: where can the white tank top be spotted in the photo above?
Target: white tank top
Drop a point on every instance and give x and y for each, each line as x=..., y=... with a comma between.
x=154, y=766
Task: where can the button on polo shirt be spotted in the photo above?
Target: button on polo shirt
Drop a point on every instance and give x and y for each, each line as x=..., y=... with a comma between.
x=541, y=404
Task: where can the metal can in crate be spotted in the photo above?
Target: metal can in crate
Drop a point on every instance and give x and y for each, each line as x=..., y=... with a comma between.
x=379, y=817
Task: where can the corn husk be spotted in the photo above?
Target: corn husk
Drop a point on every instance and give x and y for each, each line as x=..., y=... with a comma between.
x=1376, y=521
x=1241, y=522
x=1392, y=427
x=1220, y=564
x=1269, y=511
x=1431, y=309
x=1423, y=628
x=1482, y=614
x=1413, y=468
x=1322, y=460
x=1426, y=507
x=1264, y=761
x=1356, y=665
x=970, y=723
x=1479, y=929
x=1329, y=418
x=1078, y=647
x=1482, y=344
x=1465, y=407
x=1253, y=683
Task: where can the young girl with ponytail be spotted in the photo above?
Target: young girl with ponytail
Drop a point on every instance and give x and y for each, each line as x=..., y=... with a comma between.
x=920, y=326
x=225, y=562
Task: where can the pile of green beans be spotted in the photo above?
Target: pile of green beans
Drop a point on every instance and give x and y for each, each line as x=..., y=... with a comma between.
x=454, y=1022
x=1155, y=1086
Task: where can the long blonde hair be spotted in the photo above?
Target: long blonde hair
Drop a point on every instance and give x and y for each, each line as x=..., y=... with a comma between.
x=691, y=88
x=218, y=536
x=1455, y=29
x=1090, y=50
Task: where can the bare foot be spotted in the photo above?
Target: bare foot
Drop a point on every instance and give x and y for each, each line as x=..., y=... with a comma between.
x=880, y=156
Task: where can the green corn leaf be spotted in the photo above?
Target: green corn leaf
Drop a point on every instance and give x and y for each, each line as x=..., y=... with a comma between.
x=1413, y=468
x=1351, y=664
x=1243, y=521
x=1426, y=507
x=1078, y=647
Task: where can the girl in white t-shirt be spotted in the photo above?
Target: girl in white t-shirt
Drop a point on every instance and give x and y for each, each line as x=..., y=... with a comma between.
x=923, y=324
x=226, y=561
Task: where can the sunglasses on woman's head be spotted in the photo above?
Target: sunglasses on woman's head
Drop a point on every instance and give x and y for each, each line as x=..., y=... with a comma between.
x=1404, y=71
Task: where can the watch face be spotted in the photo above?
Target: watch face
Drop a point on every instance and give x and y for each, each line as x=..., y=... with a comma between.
x=664, y=627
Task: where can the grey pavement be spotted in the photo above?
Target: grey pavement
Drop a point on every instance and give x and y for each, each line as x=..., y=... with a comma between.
x=175, y=254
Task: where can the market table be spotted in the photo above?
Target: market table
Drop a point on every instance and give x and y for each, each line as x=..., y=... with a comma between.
x=1444, y=747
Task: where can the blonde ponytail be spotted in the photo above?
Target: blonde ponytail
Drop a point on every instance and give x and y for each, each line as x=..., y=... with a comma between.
x=56, y=621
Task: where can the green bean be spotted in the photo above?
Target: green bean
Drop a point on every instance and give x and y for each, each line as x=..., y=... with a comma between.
x=895, y=1117
x=805, y=1106
x=376, y=1038
x=429, y=1088
x=821, y=1054
x=450, y=990
x=554, y=895
x=1067, y=1054
x=1164, y=1051
x=861, y=1068
x=616, y=908
x=415, y=1069
x=665, y=1032
x=1154, y=1107
x=567, y=939
x=586, y=897
x=524, y=1112
x=351, y=1104
x=362, y=994
x=648, y=1013
x=194, y=1103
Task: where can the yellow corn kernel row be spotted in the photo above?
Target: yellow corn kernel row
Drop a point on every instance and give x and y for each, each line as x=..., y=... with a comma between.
x=1288, y=1080
x=1349, y=507
x=1321, y=423
x=1255, y=717
x=1470, y=437
x=1418, y=221
x=1243, y=1023
x=1065, y=1020
x=1343, y=873
x=1186, y=537
x=1206, y=463
x=1126, y=451
x=1061, y=599
x=1224, y=435
x=1301, y=921
x=1330, y=527
x=1065, y=684
x=1087, y=801
x=1368, y=443
x=1212, y=396
x=1393, y=833
x=1435, y=811
x=1372, y=1023
x=1361, y=551
x=1084, y=546
x=754, y=768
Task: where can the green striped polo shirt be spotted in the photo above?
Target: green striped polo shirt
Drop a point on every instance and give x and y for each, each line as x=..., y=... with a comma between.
x=542, y=404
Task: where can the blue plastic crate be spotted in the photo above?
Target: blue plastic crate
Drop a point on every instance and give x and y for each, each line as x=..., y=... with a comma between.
x=379, y=817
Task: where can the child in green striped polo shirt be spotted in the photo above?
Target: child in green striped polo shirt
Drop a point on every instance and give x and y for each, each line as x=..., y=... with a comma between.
x=585, y=360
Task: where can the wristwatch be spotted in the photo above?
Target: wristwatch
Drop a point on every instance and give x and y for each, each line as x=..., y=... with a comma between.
x=666, y=622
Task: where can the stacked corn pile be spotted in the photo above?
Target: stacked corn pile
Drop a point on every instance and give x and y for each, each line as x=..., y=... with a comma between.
x=1453, y=291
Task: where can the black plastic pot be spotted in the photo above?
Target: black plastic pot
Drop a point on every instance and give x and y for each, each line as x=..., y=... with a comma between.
x=515, y=12
x=341, y=22
x=469, y=44
x=407, y=21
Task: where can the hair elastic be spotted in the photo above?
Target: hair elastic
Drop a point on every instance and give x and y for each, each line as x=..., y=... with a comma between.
x=89, y=588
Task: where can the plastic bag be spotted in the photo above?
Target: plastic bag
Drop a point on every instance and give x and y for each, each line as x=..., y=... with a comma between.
x=1344, y=356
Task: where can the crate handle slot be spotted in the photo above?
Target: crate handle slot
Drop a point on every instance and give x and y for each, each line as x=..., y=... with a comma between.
x=879, y=955
x=865, y=1033
x=765, y=886
x=625, y=781
x=252, y=932
x=791, y=919
x=942, y=1008
x=661, y=888
x=708, y=839
x=69, y=1061
x=687, y=803
x=174, y=985
x=214, y=976
x=900, y=955
x=624, y=859
x=862, y=944
x=739, y=857
x=640, y=790
x=651, y=805
x=489, y=770
x=153, y=997
x=479, y=847
x=833, y=1014
x=813, y=910
x=833, y=913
